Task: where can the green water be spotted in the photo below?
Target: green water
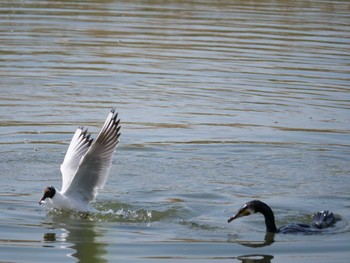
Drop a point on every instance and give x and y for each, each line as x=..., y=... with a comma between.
x=221, y=103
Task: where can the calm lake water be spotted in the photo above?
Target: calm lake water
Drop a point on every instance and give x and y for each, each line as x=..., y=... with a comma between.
x=221, y=102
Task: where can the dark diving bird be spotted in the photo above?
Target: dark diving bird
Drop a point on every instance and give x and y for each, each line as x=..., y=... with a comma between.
x=320, y=220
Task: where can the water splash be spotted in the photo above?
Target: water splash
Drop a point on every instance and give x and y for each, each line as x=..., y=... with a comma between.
x=124, y=215
x=110, y=215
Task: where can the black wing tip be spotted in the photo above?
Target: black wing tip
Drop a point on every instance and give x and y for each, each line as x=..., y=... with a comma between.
x=116, y=121
x=85, y=132
x=117, y=128
x=90, y=140
x=114, y=112
x=86, y=135
x=112, y=129
x=115, y=116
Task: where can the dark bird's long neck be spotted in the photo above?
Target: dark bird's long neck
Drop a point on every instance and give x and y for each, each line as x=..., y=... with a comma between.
x=269, y=217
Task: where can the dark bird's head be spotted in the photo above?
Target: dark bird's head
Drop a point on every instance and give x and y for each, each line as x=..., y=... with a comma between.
x=246, y=210
x=49, y=192
x=257, y=206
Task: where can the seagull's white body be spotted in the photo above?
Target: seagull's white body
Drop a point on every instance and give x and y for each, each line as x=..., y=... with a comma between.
x=65, y=202
x=85, y=168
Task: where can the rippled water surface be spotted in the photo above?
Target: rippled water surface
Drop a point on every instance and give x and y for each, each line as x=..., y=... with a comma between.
x=221, y=102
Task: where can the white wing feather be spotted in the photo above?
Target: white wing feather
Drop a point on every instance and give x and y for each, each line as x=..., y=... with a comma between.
x=93, y=168
x=78, y=146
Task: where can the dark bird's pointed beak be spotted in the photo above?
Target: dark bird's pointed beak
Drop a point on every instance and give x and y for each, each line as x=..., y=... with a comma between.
x=233, y=218
x=242, y=212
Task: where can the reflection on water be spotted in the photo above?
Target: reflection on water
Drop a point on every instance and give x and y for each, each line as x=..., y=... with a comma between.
x=81, y=237
x=85, y=243
x=256, y=258
x=268, y=240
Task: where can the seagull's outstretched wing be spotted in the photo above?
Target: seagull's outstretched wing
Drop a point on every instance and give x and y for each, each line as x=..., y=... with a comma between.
x=78, y=146
x=94, y=166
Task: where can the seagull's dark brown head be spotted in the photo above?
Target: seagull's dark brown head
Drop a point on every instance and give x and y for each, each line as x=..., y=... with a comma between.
x=49, y=192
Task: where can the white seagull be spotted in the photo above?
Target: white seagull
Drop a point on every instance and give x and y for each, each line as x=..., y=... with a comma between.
x=85, y=167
